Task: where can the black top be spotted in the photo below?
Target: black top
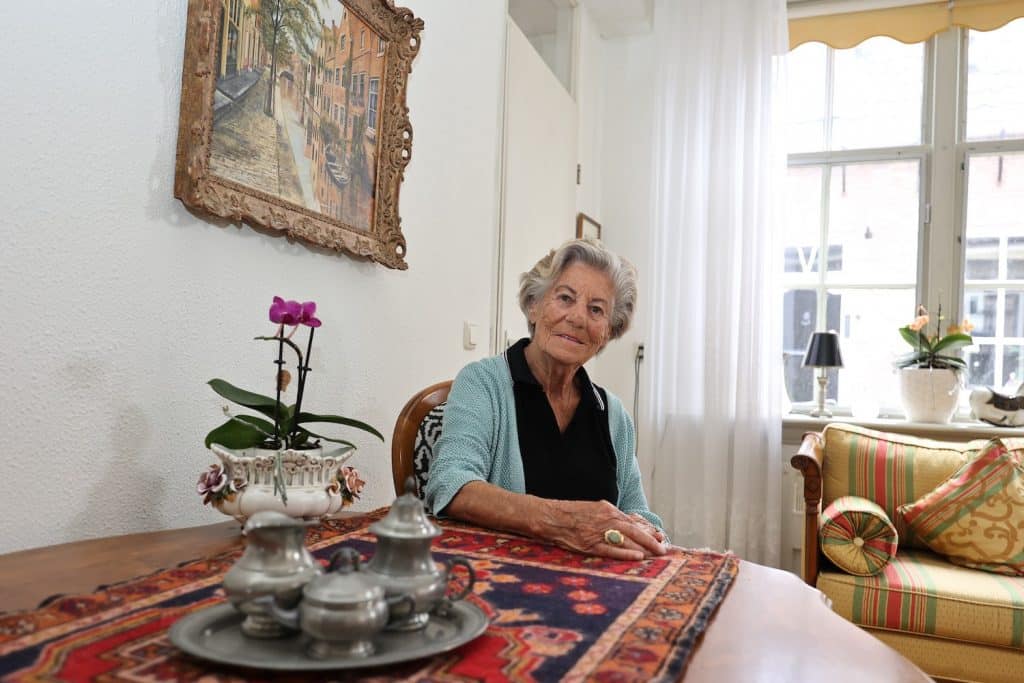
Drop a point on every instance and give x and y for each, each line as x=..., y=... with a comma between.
x=578, y=464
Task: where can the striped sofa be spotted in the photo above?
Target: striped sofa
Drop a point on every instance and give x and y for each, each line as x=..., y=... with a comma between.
x=955, y=623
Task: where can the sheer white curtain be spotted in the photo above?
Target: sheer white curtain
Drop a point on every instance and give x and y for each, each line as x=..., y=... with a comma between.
x=711, y=423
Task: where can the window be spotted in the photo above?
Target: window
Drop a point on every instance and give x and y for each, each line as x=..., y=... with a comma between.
x=380, y=46
x=341, y=43
x=892, y=200
x=853, y=208
x=371, y=114
x=362, y=40
x=993, y=263
x=337, y=74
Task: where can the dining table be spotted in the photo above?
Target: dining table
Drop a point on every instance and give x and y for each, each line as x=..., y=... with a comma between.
x=101, y=610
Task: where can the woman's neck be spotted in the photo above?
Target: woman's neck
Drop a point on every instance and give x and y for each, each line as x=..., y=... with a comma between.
x=556, y=379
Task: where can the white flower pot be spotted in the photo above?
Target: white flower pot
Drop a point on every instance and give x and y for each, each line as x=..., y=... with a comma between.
x=310, y=478
x=929, y=394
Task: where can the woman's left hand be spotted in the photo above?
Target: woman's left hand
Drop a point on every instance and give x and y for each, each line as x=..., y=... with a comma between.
x=646, y=525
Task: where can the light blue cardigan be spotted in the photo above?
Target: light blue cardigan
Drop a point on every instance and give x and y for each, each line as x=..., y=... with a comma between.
x=480, y=441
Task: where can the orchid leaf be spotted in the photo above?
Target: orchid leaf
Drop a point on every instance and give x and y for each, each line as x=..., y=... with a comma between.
x=249, y=399
x=953, y=342
x=242, y=431
x=916, y=339
x=337, y=419
x=912, y=359
x=951, y=361
x=327, y=438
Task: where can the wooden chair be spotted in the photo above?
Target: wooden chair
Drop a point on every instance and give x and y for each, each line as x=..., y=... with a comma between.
x=407, y=428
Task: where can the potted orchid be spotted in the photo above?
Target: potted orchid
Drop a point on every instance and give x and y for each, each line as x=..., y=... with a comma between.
x=930, y=374
x=274, y=459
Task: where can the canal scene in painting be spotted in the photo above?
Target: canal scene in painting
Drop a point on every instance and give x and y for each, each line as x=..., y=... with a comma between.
x=297, y=104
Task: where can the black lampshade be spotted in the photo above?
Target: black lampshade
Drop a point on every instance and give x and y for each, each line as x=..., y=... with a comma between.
x=823, y=351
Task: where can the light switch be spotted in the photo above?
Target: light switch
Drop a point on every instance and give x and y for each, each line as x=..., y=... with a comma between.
x=470, y=335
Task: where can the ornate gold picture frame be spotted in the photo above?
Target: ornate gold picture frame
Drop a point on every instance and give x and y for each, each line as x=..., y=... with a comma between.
x=293, y=118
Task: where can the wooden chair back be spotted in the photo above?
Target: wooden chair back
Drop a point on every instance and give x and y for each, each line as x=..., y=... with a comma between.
x=403, y=442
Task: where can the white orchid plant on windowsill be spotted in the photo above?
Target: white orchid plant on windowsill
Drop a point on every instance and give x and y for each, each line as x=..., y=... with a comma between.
x=934, y=350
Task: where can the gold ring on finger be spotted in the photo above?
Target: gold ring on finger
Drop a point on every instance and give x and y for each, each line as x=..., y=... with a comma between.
x=614, y=537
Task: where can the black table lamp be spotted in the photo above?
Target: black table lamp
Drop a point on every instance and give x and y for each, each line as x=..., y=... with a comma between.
x=822, y=353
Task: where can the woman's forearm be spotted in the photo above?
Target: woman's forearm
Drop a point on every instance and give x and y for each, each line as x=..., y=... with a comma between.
x=484, y=504
x=575, y=525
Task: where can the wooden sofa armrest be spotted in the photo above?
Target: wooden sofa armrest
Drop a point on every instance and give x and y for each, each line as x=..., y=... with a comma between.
x=808, y=460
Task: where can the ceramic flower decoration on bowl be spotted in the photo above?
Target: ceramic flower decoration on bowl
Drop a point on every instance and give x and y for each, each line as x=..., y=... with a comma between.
x=268, y=455
x=934, y=351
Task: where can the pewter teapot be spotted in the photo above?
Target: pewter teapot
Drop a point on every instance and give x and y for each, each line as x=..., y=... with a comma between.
x=403, y=565
x=340, y=611
x=275, y=564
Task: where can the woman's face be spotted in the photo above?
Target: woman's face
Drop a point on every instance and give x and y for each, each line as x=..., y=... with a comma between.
x=573, y=320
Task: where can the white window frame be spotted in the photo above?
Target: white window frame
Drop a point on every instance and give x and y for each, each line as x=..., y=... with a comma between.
x=943, y=154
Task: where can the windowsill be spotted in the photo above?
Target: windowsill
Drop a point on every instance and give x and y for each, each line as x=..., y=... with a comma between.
x=795, y=425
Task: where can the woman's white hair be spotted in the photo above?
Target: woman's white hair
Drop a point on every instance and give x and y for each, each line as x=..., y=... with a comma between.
x=536, y=282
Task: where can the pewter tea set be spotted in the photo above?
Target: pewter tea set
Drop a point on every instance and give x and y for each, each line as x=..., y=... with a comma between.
x=284, y=612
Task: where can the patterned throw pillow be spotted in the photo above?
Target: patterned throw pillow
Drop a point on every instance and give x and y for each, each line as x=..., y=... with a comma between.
x=976, y=517
x=423, y=448
x=890, y=469
x=857, y=535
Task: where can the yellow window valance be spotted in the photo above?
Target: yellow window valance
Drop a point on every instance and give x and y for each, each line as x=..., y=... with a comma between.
x=908, y=24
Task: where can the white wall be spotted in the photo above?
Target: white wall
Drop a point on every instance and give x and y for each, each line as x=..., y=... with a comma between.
x=627, y=80
x=118, y=304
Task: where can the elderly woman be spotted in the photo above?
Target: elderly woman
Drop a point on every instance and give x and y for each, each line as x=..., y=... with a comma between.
x=530, y=444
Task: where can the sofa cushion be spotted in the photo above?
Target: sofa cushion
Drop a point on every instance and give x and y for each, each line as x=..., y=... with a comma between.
x=857, y=535
x=889, y=469
x=976, y=517
x=921, y=592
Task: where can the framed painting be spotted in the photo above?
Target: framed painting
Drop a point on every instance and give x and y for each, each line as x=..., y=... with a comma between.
x=293, y=118
x=587, y=227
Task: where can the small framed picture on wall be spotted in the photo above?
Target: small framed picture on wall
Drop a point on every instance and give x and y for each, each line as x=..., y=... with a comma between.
x=587, y=227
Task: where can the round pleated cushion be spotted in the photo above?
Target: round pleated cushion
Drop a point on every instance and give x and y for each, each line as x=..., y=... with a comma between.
x=857, y=535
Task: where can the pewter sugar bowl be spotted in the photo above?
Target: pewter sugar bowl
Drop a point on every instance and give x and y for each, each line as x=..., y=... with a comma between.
x=404, y=566
x=276, y=564
x=340, y=611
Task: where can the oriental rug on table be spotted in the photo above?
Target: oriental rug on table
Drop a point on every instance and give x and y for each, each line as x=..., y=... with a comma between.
x=554, y=615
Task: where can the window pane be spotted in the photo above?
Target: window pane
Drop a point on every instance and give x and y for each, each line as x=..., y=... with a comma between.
x=980, y=365
x=878, y=94
x=995, y=83
x=803, y=223
x=1013, y=319
x=807, y=96
x=873, y=219
x=980, y=305
x=1013, y=368
x=982, y=257
x=1015, y=258
x=995, y=192
x=869, y=341
x=800, y=312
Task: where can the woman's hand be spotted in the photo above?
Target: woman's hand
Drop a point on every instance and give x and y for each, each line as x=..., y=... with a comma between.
x=646, y=525
x=581, y=525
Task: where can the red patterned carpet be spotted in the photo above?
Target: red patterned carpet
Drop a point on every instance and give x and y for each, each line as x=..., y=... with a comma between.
x=554, y=616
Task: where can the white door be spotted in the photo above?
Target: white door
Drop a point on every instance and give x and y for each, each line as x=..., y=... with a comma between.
x=539, y=175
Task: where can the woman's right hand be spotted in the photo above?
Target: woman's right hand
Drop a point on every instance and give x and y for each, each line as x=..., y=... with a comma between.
x=581, y=525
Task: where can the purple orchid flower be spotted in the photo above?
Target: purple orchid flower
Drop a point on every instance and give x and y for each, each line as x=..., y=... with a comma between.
x=293, y=313
x=308, y=314
x=286, y=312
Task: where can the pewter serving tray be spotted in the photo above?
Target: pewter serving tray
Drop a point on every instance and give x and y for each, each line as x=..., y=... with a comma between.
x=214, y=634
